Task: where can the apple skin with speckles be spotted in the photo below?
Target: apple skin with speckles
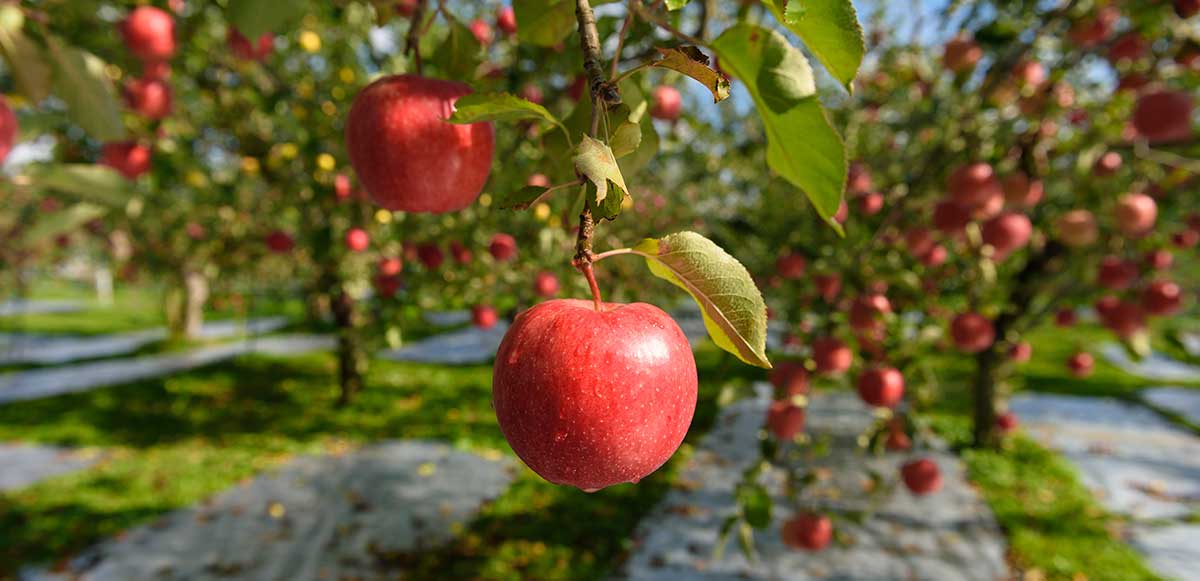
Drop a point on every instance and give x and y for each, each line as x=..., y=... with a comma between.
x=591, y=398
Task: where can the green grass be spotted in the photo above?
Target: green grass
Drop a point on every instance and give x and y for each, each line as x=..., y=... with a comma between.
x=175, y=441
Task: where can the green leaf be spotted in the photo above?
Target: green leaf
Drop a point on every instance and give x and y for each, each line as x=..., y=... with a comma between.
x=79, y=80
x=519, y=199
x=478, y=107
x=676, y=4
x=253, y=18
x=831, y=31
x=544, y=22
x=626, y=139
x=595, y=161
x=459, y=54
x=23, y=56
x=802, y=146
x=733, y=308
x=755, y=503
x=746, y=541
x=723, y=536
x=95, y=183
x=693, y=63
x=69, y=219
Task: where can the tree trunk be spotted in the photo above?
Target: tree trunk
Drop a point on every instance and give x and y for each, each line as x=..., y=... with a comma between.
x=987, y=364
x=352, y=360
x=185, y=305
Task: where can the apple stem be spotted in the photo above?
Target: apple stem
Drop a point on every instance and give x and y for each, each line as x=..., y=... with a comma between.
x=590, y=275
x=606, y=254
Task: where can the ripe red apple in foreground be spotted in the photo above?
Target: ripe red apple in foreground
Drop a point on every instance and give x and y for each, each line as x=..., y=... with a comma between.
x=149, y=98
x=484, y=316
x=8, y=129
x=506, y=20
x=972, y=332
x=357, y=239
x=1081, y=364
x=1136, y=214
x=831, y=355
x=808, y=531
x=668, y=103
x=129, y=158
x=922, y=476
x=785, y=420
x=149, y=33
x=503, y=247
x=405, y=153
x=545, y=285
x=1006, y=422
x=242, y=48
x=1164, y=116
x=881, y=387
x=591, y=408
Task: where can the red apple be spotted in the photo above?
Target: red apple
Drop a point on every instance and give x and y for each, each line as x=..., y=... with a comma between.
x=1081, y=364
x=430, y=255
x=1065, y=317
x=961, y=54
x=881, y=387
x=1007, y=232
x=785, y=421
x=1116, y=274
x=406, y=155
x=1136, y=214
x=531, y=93
x=506, y=20
x=922, y=476
x=790, y=265
x=195, y=231
x=1020, y=352
x=1021, y=192
x=545, y=284
x=843, y=212
x=949, y=217
x=858, y=178
x=831, y=355
x=538, y=179
x=668, y=103
x=242, y=48
x=341, y=187
x=1159, y=259
x=484, y=316
x=808, y=531
x=149, y=98
x=1090, y=32
x=280, y=242
x=592, y=409
x=870, y=204
x=8, y=129
x=1162, y=298
x=865, y=311
x=1030, y=73
x=789, y=378
x=1164, y=116
x=149, y=33
x=935, y=257
x=1187, y=8
x=1125, y=319
x=387, y=285
x=828, y=286
x=1128, y=47
x=390, y=266
x=897, y=440
x=1107, y=164
x=972, y=332
x=919, y=242
x=482, y=31
x=503, y=247
x=1077, y=228
x=1006, y=422
x=1185, y=239
x=129, y=158
x=357, y=240
x=973, y=185
x=460, y=253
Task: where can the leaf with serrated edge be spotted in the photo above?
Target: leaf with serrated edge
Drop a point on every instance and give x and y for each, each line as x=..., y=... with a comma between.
x=478, y=107
x=830, y=29
x=693, y=63
x=733, y=308
x=595, y=161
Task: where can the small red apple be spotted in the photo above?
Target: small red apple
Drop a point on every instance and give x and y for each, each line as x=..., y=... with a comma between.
x=961, y=54
x=538, y=179
x=865, y=311
x=1092, y=31
x=1116, y=274
x=156, y=70
x=357, y=239
x=390, y=266
x=972, y=332
x=341, y=187
x=484, y=316
x=1136, y=214
x=1077, y=228
x=149, y=98
x=1107, y=164
x=974, y=185
x=1160, y=259
x=791, y=265
x=8, y=129
x=1030, y=73
x=785, y=421
x=949, y=217
x=843, y=212
x=149, y=33
x=1007, y=232
x=129, y=158
x=1065, y=317
x=668, y=103
x=1021, y=192
x=503, y=247
x=1162, y=298
x=897, y=440
x=460, y=253
x=1006, y=422
x=1185, y=239
x=387, y=285
x=430, y=255
x=828, y=286
x=1128, y=47
x=531, y=93
x=242, y=48
x=807, y=531
x=280, y=242
x=831, y=355
x=1124, y=319
x=789, y=378
x=935, y=257
x=1081, y=364
x=858, y=178
x=591, y=409
x=919, y=242
x=1020, y=352
x=506, y=20
x=1164, y=116
x=870, y=204
x=881, y=387
x=482, y=31
x=545, y=284
x=922, y=476
x=406, y=155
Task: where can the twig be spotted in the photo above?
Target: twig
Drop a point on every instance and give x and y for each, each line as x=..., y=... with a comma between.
x=413, y=40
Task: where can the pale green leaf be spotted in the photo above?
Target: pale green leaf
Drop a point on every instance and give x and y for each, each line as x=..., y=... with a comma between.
x=459, y=55
x=87, y=181
x=24, y=57
x=802, y=145
x=733, y=308
x=626, y=139
x=544, y=22
x=478, y=107
x=253, y=18
x=693, y=63
x=831, y=31
x=595, y=161
x=79, y=80
x=70, y=219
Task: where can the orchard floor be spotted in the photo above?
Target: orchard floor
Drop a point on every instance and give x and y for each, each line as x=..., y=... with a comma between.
x=157, y=449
